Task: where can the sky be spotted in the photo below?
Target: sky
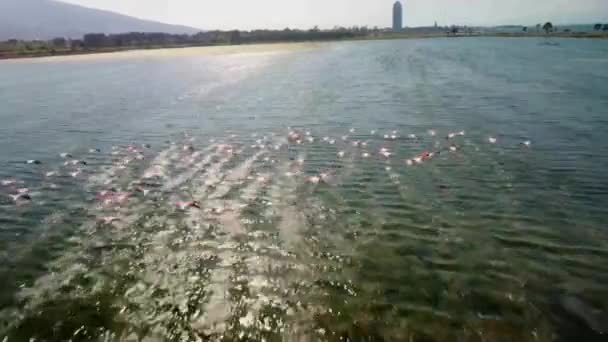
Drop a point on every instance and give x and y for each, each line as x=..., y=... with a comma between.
x=279, y=14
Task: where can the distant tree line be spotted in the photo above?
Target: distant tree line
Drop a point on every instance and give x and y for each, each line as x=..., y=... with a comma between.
x=139, y=39
x=598, y=27
x=93, y=41
x=549, y=28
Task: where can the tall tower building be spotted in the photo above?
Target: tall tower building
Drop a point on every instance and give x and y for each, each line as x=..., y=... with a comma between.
x=397, y=16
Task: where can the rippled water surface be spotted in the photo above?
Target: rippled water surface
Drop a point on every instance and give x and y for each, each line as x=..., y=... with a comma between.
x=415, y=190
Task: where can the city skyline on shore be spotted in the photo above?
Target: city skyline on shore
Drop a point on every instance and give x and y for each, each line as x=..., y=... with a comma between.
x=276, y=14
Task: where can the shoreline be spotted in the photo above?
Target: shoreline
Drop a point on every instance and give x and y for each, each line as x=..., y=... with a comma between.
x=11, y=55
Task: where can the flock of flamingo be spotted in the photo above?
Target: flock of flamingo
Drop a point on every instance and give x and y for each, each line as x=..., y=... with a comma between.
x=20, y=194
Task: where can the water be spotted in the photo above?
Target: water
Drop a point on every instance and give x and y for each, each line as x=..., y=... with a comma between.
x=490, y=242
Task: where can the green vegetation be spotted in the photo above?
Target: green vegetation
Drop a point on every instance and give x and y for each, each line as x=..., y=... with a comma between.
x=99, y=42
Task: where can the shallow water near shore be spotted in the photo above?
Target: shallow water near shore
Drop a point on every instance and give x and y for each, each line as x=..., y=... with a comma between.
x=415, y=190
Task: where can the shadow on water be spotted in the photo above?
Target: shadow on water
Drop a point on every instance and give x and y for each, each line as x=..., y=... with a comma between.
x=30, y=260
x=576, y=320
x=69, y=318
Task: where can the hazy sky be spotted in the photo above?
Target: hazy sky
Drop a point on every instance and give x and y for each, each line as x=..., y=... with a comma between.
x=249, y=14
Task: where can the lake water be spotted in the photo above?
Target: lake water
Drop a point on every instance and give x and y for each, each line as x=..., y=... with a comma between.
x=307, y=192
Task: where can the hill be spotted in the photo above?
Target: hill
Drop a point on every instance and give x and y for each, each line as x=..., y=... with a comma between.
x=46, y=19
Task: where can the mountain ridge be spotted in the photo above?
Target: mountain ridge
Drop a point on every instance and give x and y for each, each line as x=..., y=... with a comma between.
x=47, y=19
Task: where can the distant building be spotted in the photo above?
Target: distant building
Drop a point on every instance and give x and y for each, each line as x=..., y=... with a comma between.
x=75, y=44
x=397, y=16
x=59, y=42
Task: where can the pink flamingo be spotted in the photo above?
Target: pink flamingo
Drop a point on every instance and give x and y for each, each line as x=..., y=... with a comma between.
x=20, y=198
x=186, y=205
x=108, y=220
x=313, y=179
x=385, y=153
x=7, y=182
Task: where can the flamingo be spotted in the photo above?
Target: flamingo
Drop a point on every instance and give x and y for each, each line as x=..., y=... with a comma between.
x=386, y=154
x=75, y=162
x=426, y=155
x=186, y=205
x=108, y=220
x=294, y=136
x=313, y=179
x=76, y=173
x=7, y=182
x=325, y=177
x=122, y=197
x=145, y=192
x=21, y=197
